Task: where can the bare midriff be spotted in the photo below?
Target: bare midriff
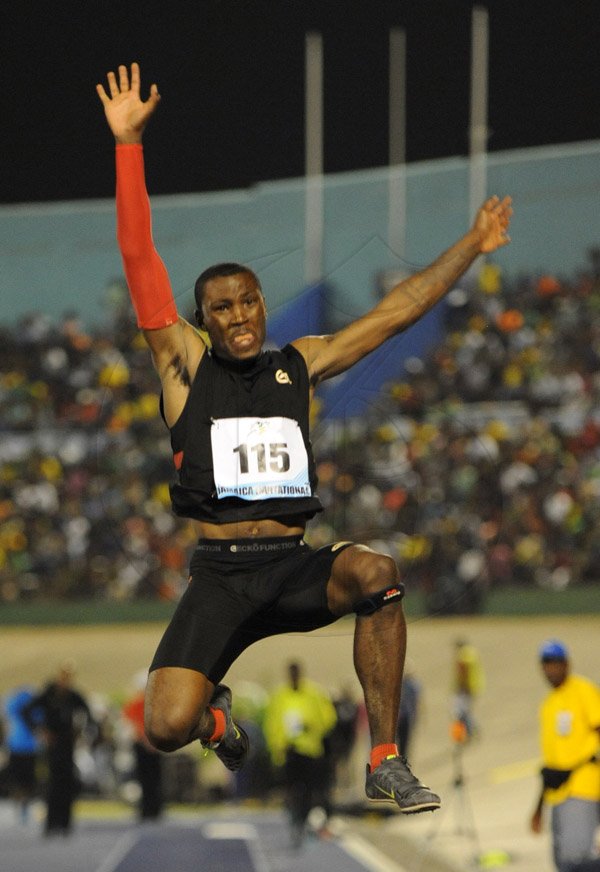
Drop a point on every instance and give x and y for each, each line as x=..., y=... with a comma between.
x=262, y=529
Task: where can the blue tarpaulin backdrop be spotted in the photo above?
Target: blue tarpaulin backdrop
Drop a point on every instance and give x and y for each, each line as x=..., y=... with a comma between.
x=351, y=394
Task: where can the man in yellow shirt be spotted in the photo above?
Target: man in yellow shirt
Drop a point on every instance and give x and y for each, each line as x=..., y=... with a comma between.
x=468, y=684
x=298, y=718
x=570, y=743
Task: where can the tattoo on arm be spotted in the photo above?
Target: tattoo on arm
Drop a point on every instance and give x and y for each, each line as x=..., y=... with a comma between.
x=181, y=370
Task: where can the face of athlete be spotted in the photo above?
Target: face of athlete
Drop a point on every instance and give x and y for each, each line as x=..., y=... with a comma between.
x=234, y=316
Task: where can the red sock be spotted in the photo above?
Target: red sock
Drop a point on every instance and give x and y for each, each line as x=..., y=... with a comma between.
x=380, y=752
x=219, y=728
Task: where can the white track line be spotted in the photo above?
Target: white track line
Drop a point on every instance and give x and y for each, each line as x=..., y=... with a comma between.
x=120, y=850
x=247, y=832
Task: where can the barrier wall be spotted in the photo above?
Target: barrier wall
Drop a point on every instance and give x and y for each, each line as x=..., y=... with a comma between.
x=63, y=256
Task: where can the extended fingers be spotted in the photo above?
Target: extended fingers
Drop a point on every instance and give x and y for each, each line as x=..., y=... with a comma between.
x=113, y=87
x=503, y=206
x=112, y=84
x=124, y=83
x=135, y=77
x=117, y=88
x=494, y=220
x=102, y=93
x=495, y=204
x=154, y=95
x=504, y=209
x=499, y=209
x=123, y=78
x=505, y=212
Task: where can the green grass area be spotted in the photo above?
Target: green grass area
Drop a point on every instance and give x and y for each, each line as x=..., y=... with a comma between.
x=84, y=612
x=519, y=601
x=505, y=601
x=535, y=601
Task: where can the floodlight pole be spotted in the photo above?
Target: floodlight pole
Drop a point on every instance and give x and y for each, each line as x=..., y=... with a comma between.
x=478, y=129
x=397, y=143
x=313, y=140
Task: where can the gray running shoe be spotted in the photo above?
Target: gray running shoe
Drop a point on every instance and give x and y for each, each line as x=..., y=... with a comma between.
x=392, y=781
x=232, y=749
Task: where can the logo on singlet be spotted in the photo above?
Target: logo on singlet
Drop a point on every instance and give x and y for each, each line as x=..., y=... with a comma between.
x=282, y=378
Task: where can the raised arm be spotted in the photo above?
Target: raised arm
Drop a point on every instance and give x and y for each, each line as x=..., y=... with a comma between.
x=176, y=348
x=327, y=356
x=127, y=116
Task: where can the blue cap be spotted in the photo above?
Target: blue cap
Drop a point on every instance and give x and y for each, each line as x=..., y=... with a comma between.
x=552, y=649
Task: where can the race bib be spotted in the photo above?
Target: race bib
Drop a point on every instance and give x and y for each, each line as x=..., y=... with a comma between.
x=259, y=458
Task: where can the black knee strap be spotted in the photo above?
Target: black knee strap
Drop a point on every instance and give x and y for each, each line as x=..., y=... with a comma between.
x=385, y=597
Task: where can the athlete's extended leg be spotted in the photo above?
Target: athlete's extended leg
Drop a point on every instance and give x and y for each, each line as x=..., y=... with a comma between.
x=379, y=653
x=379, y=637
x=358, y=575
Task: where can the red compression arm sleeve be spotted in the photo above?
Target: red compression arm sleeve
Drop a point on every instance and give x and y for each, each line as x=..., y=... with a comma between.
x=146, y=275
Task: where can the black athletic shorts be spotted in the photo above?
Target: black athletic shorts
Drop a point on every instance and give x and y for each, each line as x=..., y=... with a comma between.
x=244, y=590
x=21, y=772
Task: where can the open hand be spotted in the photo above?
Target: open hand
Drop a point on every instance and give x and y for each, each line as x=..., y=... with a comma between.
x=127, y=114
x=492, y=222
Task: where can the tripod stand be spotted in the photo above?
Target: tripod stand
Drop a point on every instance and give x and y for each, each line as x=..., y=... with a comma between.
x=459, y=802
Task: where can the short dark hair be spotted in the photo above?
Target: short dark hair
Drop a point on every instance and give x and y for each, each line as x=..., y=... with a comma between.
x=217, y=271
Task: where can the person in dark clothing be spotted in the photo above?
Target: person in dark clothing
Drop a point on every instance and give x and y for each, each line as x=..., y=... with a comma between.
x=238, y=417
x=148, y=760
x=340, y=742
x=409, y=710
x=61, y=713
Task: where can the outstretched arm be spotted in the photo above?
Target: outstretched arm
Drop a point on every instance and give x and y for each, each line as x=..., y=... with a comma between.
x=408, y=301
x=176, y=348
x=127, y=116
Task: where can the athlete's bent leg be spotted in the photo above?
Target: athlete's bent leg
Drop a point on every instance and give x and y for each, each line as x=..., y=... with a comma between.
x=176, y=707
x=183, y=705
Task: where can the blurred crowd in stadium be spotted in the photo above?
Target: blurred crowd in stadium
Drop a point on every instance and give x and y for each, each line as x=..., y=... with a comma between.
x=478, y=467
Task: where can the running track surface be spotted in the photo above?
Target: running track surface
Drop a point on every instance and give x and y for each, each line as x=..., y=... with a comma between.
x=254, y=842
